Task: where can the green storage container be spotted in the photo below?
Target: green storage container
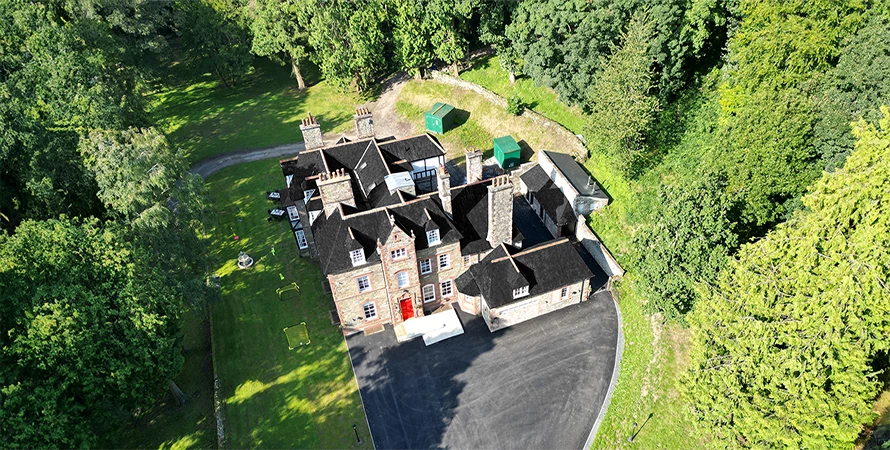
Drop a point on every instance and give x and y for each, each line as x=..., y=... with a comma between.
x=506, y=152
x=439, y=118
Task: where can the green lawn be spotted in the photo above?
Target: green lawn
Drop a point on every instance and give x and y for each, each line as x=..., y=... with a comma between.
x=477, y=121
x=487, y=72
x=274, y=397
x=168, y=426
x=206, y=119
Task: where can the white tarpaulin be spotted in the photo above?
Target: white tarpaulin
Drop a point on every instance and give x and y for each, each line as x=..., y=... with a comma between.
x=434, y=327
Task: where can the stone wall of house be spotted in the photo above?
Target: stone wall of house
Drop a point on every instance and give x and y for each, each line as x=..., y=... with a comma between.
x=437, y=276
x=349, y=301
x=529, y=308
x=600, y=253
x=393, y=266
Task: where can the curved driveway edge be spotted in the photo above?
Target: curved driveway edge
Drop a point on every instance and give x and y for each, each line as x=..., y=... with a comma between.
x=211, y=165
x=619, y=350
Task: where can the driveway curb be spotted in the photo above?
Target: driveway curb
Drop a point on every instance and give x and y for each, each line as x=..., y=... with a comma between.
x=619, y=350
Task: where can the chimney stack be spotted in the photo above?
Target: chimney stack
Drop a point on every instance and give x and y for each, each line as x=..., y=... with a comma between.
x=364, y=122
x=474, y=165
x=311, y=133
x=444, y=180
x=500, y=211
x=335, y=188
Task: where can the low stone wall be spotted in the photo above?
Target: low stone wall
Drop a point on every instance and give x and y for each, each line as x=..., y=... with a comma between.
x=575, y=148
x=600, y=253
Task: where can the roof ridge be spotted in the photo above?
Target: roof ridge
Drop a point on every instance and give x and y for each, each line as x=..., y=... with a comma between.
x=541, y=246
x=404, y=138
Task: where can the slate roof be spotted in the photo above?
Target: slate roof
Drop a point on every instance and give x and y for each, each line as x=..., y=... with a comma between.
x=580, y=180
x=413, y=148
x=551, y=198
x=543, y=268
x=469, y=205
x=335, y=239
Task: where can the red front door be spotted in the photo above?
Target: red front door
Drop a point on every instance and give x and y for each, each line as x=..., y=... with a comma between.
x=407, y=308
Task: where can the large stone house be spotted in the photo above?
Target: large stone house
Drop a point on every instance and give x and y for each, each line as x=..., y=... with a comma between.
x=396, y=241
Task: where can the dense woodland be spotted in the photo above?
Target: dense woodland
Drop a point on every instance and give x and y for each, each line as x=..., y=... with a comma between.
x=769, y=240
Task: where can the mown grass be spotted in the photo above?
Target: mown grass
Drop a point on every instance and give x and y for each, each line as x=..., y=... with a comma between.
x=168, y=426
x=274, y=397
x=487, y=72
x=477, y=121
x=264, y=109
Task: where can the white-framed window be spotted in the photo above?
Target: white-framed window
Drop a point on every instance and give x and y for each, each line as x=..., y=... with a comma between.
x=564, y=293
x=364, y=283
x=432, y=237
x=466, y=260
x=426, y=266
x=402, y=279
x=521, y=292
x=370, y=311
x=312, y=216
x=307, y=194
x=447, y=288
x=301, y=239
x=429, y=293
x=357, y=257
x=398, y=253
x=444, y=261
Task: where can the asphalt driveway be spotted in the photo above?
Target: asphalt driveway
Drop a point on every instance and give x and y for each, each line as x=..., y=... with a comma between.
x=539, y=384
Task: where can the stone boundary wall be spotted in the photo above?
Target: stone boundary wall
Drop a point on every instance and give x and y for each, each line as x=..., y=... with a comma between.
x=573, y=144
x=600, y=253
x=217, y=401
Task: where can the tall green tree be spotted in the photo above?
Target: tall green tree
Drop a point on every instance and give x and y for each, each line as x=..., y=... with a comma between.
x=277, y=34
x=687, y=242
x=348, y=39
x=411, y=36
x=215, y=36
x=621, y=103
x=145, y=186
x=767, y=99
x=852, y=90
x=89, y=333
x=787, y=345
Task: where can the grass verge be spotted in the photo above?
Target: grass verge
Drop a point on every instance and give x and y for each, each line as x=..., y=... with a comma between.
x=263, y=110
x=274, y=397
x=488, y=73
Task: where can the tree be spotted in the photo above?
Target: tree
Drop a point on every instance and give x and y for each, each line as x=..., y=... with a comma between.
x=145, y=185
x=410, y=35
x=214, y=36
x=786, y=347
x=347, y=38
x=89, y=332
x=276, y=31
x=686, y=243
x=852, y=90
x=620, y=101
x=768, y=108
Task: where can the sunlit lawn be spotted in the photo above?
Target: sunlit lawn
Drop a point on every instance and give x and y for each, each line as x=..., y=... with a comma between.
x=477, y=120
x=274, y=397
x=487, y=72
x=262, y=110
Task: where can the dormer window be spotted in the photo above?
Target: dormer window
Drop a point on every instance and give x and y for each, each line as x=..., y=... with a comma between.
x=432, y=237
x=357, y=256
x=520, y=292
